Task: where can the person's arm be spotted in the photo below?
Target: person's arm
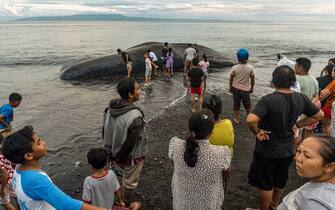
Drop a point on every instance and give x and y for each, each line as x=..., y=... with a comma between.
x=252, y=78
x=310, y=120
x=86, y=206
x=3, y=121
x=312, y=112
x=327, y=91
x=152, y=63
x=252, y=121
x=4, y=177
x=232, y=75
x=41, y=188
x=132, y=138
x=259, y=112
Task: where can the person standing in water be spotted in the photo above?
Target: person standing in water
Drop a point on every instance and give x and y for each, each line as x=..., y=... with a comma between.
x=189, y=54
x=203, y=65
x=169, y=63
x=126, y=59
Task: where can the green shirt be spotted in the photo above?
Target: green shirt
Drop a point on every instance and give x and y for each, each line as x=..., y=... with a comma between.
x=309, y=86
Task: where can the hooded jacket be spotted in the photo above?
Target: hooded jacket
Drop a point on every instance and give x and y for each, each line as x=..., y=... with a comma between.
x=124, y=133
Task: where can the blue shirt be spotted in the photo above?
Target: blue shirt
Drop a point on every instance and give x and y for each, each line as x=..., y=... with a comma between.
x=35, y=191
x=7, y=111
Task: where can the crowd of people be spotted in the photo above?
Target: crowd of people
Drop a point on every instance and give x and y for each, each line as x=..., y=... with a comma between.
x=283, y=123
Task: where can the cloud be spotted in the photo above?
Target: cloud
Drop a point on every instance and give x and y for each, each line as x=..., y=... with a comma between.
x=171, y=8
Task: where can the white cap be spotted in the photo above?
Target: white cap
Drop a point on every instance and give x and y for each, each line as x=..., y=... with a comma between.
x=284, y=61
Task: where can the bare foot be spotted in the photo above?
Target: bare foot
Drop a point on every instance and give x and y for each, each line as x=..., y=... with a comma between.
x=135, y=205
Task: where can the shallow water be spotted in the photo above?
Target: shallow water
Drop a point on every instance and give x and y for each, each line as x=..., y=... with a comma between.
x=69, y=114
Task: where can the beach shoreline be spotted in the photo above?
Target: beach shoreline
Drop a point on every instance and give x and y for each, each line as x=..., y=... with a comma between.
x=155, y=184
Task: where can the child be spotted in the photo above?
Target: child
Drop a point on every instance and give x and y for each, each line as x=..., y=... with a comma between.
x=203, y=65
x=242, y=81
x=6, y=174
x=154, y=60
x=196, y=77
x=169, y=63
x=99, y=186
x=7, y=111
x=33, y=187
x=148, y=69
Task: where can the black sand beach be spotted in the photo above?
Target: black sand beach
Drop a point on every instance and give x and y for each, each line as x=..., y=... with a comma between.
x=155, y=187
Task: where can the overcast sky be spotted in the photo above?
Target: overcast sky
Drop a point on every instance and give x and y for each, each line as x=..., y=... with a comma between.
x=210, y=9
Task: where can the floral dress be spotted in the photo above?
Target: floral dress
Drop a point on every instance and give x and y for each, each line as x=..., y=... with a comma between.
x=200, y=187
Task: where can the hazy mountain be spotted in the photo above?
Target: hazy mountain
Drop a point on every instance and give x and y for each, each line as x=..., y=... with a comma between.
x=98, y=17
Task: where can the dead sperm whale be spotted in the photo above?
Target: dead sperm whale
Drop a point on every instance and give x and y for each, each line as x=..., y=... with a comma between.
x=110, y=65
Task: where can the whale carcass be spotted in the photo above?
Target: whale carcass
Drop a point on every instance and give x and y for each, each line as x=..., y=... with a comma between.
x=110, y=65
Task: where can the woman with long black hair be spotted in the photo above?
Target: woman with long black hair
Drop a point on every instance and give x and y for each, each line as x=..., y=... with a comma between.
x=198, y=166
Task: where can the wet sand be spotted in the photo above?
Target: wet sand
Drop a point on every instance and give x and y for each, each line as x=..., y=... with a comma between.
x=155, y=186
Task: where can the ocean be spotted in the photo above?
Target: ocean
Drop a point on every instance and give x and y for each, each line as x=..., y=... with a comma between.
x=68, y=115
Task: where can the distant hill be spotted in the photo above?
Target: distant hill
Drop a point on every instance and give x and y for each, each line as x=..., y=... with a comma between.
x=99, y=17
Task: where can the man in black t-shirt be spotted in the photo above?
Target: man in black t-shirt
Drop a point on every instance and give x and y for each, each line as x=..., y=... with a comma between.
x=272, y=121
x=196, y=77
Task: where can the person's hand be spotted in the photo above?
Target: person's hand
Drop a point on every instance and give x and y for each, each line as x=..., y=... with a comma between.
x=120, y=203
x=112, y=163
x=262, y=135
x=227, y=172
x=295, y=128
x=324, y=93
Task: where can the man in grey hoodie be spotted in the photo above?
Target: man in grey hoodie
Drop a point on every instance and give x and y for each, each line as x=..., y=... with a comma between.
x=125, y=136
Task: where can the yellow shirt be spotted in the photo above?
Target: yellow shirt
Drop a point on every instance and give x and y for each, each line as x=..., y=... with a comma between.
x=223, y=134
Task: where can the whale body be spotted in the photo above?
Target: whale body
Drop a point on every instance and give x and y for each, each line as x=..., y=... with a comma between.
x=110, y=65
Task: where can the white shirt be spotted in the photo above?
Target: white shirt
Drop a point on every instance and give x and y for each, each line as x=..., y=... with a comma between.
x=153, y=56
x=190, y=53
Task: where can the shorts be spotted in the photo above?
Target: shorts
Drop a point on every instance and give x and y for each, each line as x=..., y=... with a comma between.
x=327, y=111
x=266, y=173
x=131, y=175
x=197, y=90
x=6, y=198
x=240, y=95
x=129, y=65
x=148, y=72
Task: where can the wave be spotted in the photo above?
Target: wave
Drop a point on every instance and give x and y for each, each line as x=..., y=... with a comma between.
x=331, y=53
x=42, y=60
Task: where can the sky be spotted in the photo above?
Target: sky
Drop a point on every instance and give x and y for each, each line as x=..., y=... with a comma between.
x=197, y=9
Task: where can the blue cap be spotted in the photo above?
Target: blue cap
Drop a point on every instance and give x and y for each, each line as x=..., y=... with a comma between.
x=242, y=54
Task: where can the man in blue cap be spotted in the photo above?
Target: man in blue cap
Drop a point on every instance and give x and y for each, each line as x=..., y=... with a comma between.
x=242, y=81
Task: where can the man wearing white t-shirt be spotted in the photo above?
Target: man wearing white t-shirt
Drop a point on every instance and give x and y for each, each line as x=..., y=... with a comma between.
x=189, y=54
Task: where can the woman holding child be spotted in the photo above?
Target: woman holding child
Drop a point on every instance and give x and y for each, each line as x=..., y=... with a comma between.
x=198, y=167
